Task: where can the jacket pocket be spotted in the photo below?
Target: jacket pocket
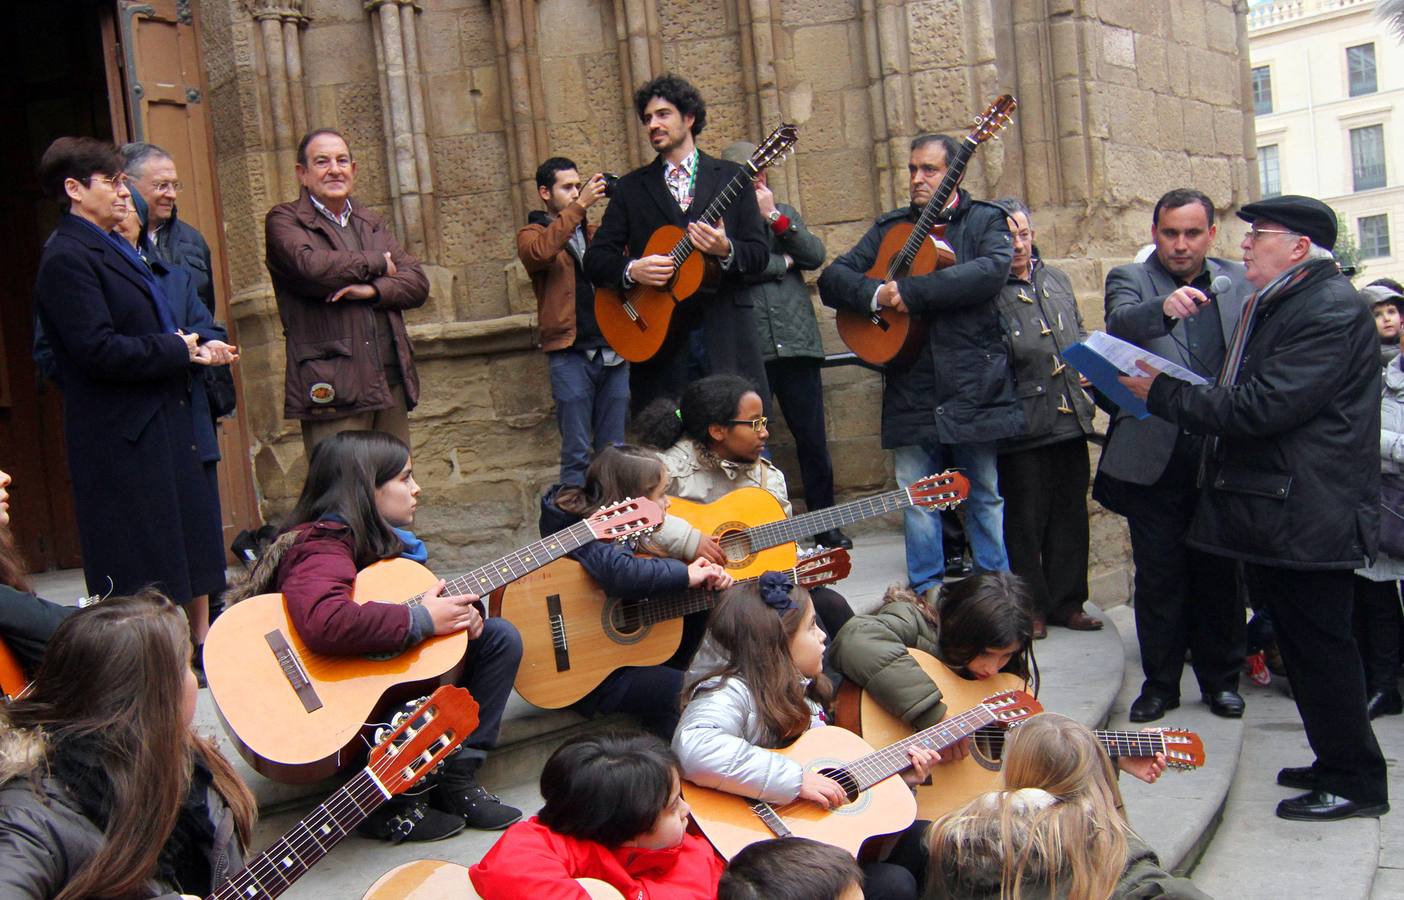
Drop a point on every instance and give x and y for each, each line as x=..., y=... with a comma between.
x=1252, y=509
x=326, y=373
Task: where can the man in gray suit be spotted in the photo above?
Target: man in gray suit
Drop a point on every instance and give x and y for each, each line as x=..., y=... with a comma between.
x=1184, y=306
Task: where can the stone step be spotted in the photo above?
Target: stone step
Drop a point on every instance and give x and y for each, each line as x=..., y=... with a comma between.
x=1178, y=815
x=1255, y=854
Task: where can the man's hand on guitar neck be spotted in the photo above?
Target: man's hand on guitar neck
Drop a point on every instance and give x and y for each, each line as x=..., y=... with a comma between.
x=455, y=613
x=651, y=271
x=710, y=240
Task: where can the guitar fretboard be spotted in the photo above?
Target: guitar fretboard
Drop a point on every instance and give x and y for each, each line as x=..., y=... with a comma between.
x=504, y=570
x=674, y=606
x=794, y=528
x=716, y=209
x=867, y=771
x=955, y=170
x=1132, y=743
x=275, y=869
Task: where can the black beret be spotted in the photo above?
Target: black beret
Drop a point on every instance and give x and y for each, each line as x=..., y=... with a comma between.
x=1304, y=215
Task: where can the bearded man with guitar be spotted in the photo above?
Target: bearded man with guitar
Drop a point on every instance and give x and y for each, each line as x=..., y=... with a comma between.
x=952, y=402
x=675, y=189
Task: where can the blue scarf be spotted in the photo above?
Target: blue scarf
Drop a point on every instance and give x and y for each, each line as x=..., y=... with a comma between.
x=414, y=547
x=158, y=296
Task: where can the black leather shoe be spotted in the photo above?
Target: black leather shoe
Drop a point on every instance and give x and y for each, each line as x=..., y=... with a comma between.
x=834, y=538
x=1319, y=806
x=1149, y=707
x=1225, y=704
x=1303, y=778
x=1385, y=703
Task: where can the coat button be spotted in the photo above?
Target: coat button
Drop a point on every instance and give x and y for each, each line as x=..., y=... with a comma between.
x=940, y=410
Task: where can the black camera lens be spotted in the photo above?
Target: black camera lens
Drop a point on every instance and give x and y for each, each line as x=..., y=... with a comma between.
x=610, y=179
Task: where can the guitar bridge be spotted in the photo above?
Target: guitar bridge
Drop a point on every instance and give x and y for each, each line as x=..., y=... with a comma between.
x=293, y=671
x=633, y=314
x=559, y=642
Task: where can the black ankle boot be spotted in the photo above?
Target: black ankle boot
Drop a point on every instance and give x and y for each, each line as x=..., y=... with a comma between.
x=1387, y=702
x=456, y=790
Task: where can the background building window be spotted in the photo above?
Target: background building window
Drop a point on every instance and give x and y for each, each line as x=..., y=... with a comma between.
x=1367, y=157
x=1374, y=236
x=1262, y=90
x=1360, y=64
x=1269, y=171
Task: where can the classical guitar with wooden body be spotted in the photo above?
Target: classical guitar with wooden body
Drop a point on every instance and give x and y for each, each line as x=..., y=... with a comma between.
x=635, y=321
x=410, y=751
x=953, y=784
x=435, y=879
x=751, y=527
x=879, y=803
x=297, y=715
x=890, y=337
x=13, y=681
x=574, y=636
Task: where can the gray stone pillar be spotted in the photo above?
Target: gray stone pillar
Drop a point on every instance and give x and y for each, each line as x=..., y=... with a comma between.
x=402, y=102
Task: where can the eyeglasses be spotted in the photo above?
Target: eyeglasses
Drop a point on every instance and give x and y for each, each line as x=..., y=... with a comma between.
x=1253, y=234
x=162, y=187
x=759, y=423
x=116, y=182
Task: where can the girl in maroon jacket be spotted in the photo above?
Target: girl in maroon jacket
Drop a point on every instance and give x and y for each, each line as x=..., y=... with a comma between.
x=359, y=497
x=613, y=811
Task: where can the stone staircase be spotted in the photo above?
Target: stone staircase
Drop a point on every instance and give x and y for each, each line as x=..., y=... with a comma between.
x=1215, y=824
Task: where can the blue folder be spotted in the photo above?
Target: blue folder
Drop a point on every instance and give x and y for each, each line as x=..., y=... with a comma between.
x=1096, y=369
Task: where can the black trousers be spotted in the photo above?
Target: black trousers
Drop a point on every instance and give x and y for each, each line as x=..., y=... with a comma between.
x=1183, y=598
x=1311, y=612
x=729, y=342
x=1377, y=619
x=1045, y=522
x=797, y=386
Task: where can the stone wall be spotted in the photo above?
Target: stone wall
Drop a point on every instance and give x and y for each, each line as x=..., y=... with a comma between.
x=449, y=105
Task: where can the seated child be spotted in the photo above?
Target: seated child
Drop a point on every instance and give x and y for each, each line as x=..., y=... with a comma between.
x=792, y=869
x=765, y=689
x=614, y=811
x=1057, y=830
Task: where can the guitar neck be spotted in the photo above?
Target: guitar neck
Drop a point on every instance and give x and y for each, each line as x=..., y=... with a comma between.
x=507, y=569
x=955, y=170
x=882, y=764
x=275, y=869
x=717, y=208
x=1132, y=743
x=697, y=599
x=794, y=528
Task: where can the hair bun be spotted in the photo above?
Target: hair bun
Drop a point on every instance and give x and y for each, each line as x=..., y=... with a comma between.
x=775, y=590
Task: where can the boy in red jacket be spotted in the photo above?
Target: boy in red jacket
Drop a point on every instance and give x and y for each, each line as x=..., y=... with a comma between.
x=614, y=811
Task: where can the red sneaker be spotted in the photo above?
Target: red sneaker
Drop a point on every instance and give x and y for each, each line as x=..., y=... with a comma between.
x=1255, y=666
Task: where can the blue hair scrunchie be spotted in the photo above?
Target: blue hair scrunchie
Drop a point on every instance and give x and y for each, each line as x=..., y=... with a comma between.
x=775, y=590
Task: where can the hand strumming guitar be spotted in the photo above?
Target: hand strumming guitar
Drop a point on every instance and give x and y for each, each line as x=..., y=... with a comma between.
x=455, y=613
x=652, y=271
x=711, y=550
x=822, y=790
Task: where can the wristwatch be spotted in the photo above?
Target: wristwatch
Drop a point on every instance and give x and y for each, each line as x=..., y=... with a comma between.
x=774, y=216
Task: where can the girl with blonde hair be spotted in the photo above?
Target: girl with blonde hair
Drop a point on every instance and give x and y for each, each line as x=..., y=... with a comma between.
x=1057, y=830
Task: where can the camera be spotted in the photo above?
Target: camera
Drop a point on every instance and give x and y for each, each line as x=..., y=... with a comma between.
x=610, y=180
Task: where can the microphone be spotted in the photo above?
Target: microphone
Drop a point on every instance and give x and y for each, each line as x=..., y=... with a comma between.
x=1220, y=285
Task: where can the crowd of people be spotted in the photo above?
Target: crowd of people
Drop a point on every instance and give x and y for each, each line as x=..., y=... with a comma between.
x=1259, y=488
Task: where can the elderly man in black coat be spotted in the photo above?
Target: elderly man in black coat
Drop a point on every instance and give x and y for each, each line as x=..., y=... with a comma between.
x=146, y=511
x=1290, y=483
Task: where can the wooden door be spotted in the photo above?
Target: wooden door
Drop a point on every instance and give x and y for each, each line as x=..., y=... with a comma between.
x=162, y=84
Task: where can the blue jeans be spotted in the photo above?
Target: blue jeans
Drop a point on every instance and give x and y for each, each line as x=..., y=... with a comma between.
x=984, y=510
x=592, y=401
x=488, y=673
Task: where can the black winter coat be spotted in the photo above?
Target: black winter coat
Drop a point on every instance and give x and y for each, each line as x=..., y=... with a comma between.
x=146, y=512
x=620, y=573
x=181, y=244
x=961, y=388
x=1294, y=480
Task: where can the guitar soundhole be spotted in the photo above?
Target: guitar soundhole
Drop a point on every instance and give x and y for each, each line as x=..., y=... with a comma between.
x=987, y=748
x=623, y=622
x=735, y=545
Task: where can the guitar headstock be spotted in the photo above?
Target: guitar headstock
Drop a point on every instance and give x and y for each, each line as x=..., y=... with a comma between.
x=1183, y=748
x=775, y=148
x=996, y=116
x=823, y=567
x=939, y=491
x=628, y=517
x=1009, y=708
x=430, y=733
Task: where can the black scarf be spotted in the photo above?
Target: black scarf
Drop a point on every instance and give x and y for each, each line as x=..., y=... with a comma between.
x=184, y=862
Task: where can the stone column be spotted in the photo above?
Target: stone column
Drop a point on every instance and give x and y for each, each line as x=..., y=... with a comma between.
x=894, y=117
x=280, y=24
x=640, y=59
x=765, y=84
x=407, y=148
x=518, y=112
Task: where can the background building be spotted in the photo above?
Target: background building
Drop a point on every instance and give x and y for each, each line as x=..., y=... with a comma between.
x=1328, y=93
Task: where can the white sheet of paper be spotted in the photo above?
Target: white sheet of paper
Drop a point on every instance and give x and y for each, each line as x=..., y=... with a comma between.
x=1124, y=356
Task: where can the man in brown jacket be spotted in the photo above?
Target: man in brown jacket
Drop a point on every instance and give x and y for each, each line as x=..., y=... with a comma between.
x=341, y=280
x=589, y=381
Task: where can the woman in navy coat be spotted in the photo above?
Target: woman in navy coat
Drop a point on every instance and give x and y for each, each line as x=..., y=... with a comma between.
x=147, y=514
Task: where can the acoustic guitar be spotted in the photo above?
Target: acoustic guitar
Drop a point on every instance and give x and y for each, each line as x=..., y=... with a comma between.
x=13, y=681
x=878, y=803
x=890, y=337
x=751, y=527
x=296, y=715
x=409, y=752
x=434, y=879
x=574, y=636
x=635, y=320
x=954, y=784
